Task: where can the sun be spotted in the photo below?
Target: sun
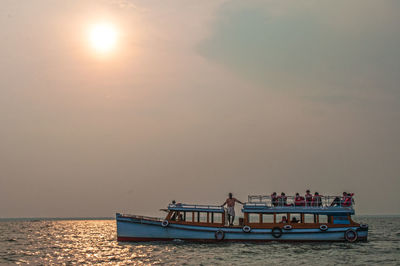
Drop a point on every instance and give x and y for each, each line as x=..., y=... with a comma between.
x=103, y=37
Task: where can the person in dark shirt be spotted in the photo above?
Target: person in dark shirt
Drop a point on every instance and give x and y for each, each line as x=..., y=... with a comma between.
x=337, y=201
x=282, y=200
x=317, y=200
x=274, y=199
x=308, y=197
x=294, y=220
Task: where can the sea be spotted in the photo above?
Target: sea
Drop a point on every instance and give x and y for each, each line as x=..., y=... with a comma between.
x=93, y=242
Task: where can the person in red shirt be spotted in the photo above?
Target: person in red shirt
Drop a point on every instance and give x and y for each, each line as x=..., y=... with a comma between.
x=299, y=200
x=347, y=199
x=308, y=197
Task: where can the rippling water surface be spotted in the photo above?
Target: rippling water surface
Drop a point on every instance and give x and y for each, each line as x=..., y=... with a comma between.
x=94, y=242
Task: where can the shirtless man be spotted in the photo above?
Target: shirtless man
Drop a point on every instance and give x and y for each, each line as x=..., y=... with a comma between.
x=231, y=208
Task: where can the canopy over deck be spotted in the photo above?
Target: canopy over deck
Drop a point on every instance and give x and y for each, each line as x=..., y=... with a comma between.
x=195, y=208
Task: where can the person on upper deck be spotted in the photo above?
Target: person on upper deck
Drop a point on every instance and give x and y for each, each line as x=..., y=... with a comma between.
x=317, y=200
x=299, y=200
x=308, y=197
x=347, y=199
x=344, y=197
x=230, y=202
x=282, y=200
x=336, y=202
x=274, y=199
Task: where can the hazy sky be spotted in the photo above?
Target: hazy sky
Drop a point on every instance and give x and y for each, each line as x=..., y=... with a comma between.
x=197, y=99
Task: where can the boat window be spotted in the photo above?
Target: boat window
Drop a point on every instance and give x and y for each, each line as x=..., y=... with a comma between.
x=217, y=218
x=310, y=218
x=323, y=219
x=280, y=217
x=189, y=216
x=340, y=220
x=196, y=217
x=203, y=217
x=295, y=218
x=268, y=218
x=254, y=218
x=174, y=216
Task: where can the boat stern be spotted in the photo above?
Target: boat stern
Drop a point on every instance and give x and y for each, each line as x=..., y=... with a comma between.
x=362, y=232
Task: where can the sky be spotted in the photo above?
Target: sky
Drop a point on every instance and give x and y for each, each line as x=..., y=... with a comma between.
x=197, y=99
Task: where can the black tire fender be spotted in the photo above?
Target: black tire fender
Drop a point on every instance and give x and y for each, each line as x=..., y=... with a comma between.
x=350, y=235
x=219, y=235
x=276, y=232
x=364, y=226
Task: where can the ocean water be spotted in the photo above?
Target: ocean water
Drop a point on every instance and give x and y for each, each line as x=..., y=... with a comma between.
x=94, y=242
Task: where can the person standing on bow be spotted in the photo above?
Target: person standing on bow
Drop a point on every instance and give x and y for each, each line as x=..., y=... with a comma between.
x=230, y=202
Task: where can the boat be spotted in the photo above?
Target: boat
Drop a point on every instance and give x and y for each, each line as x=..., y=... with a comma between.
x=263, y=220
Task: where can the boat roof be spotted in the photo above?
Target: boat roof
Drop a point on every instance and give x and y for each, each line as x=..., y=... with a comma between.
x=195, y=208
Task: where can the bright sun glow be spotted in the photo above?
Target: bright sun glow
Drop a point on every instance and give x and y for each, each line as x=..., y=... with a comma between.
x=103, y=37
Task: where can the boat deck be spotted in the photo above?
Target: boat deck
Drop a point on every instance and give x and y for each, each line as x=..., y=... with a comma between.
x=263, y=204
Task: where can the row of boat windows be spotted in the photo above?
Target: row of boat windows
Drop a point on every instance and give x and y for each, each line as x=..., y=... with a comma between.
x=204, y=217
x=197, y=217
x=288, y=218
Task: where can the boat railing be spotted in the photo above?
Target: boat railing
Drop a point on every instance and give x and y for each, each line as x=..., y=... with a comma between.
x=194, y=206
x=141, y=217
x=325, y=201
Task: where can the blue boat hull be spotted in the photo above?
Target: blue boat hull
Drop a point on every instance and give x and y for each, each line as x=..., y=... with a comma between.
x=131, y=229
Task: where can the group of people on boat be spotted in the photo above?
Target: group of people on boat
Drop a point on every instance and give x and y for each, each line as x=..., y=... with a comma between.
x=310, y=200
x=346, y=200
x=299, y=201
x=307, y=200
